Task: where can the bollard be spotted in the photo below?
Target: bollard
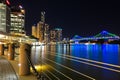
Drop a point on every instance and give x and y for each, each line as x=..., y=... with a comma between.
x=11, y=51
x=24, y=67
x=1, y=49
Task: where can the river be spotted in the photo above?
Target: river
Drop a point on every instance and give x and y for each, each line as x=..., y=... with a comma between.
x=78, y=61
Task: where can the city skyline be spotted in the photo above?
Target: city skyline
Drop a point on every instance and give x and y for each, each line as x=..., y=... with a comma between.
x=83, y=18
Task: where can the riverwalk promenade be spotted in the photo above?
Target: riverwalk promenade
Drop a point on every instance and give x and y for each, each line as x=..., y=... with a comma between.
x=9, y=70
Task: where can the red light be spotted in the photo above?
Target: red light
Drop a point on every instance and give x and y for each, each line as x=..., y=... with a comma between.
x=7, y=2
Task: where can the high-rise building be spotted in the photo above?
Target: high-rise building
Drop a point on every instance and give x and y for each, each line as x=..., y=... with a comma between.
x=40, y=31
x=34, y=31
x=4, y=18
x=46, y=33
x=56, y=35
x=53, y=36
x=59, y=34
x=17, y=20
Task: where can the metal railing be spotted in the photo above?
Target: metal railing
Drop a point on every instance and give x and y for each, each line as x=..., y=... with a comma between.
x=36, y=73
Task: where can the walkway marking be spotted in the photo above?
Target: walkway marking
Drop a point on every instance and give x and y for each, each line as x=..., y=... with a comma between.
x=89, y=64
x=98, y=62
x=58, y=71
x=52, y=74
x=117, y=66
x=72, y=70
x=47, y=75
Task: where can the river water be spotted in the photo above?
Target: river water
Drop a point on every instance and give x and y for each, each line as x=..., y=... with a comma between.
x=78, y=61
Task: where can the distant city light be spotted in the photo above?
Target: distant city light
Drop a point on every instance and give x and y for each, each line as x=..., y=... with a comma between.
x=20, y=7
x=23, y=11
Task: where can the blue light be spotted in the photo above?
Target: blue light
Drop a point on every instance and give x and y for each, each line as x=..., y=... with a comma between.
x=104, y=31
x=76, y=37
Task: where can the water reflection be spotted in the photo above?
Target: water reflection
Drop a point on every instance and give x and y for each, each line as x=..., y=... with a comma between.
x=64, y=57
x=108, y=53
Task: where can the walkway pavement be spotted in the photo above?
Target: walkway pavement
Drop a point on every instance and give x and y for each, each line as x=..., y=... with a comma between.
x=6, y=70
x=9, y=70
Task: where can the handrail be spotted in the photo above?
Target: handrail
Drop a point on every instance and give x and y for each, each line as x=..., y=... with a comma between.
x=30, y=63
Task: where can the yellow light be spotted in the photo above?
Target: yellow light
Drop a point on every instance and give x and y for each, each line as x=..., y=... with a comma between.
x=39, y=68
x=19, y=64
x=2, y=36
x=8, y=54
x=23, y=11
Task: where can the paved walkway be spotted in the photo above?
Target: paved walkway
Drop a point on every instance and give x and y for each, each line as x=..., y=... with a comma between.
x=6, y=70
x=9, y=70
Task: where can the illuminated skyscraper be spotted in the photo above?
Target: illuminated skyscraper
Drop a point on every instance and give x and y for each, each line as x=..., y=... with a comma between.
x=34, y=31
x=46, y=33
x=56, y=35
x=40, y=31
x=43, y=16
x=4, y=18
x=17, y=20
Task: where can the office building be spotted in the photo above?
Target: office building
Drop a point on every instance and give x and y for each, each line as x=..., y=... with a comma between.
x=46, y=33
x=34, y=31
x=17, y=20
x=42, y=32
x=56, y=35
x=4, y=18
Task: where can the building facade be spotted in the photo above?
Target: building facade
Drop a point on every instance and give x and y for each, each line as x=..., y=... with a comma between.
x=56, y=35
x=46, y=34
x=17, y=21
x=34, y=31
x=4, y=18
x=40, y=31
x=43, y=32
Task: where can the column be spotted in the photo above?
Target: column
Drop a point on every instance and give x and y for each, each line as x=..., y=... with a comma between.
x=1, y=49
x=11, y=51
x=24, y=67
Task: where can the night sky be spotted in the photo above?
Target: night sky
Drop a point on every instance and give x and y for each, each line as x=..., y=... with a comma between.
x=82, y=17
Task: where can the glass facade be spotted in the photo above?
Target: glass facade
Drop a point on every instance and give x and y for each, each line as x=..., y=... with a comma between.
x=56, y=35
x=17, y=23
x=4, y=18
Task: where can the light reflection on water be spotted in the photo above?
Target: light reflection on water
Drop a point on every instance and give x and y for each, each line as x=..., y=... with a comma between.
x=107, y=53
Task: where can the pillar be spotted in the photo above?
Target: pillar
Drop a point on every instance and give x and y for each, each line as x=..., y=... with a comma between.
x=24, y=67
x=11, y=51
x=1, y=49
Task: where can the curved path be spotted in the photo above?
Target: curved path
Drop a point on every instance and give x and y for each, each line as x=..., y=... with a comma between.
x=6, y=70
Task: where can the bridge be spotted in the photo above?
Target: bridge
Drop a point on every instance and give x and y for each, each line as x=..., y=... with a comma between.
x=104, y=35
